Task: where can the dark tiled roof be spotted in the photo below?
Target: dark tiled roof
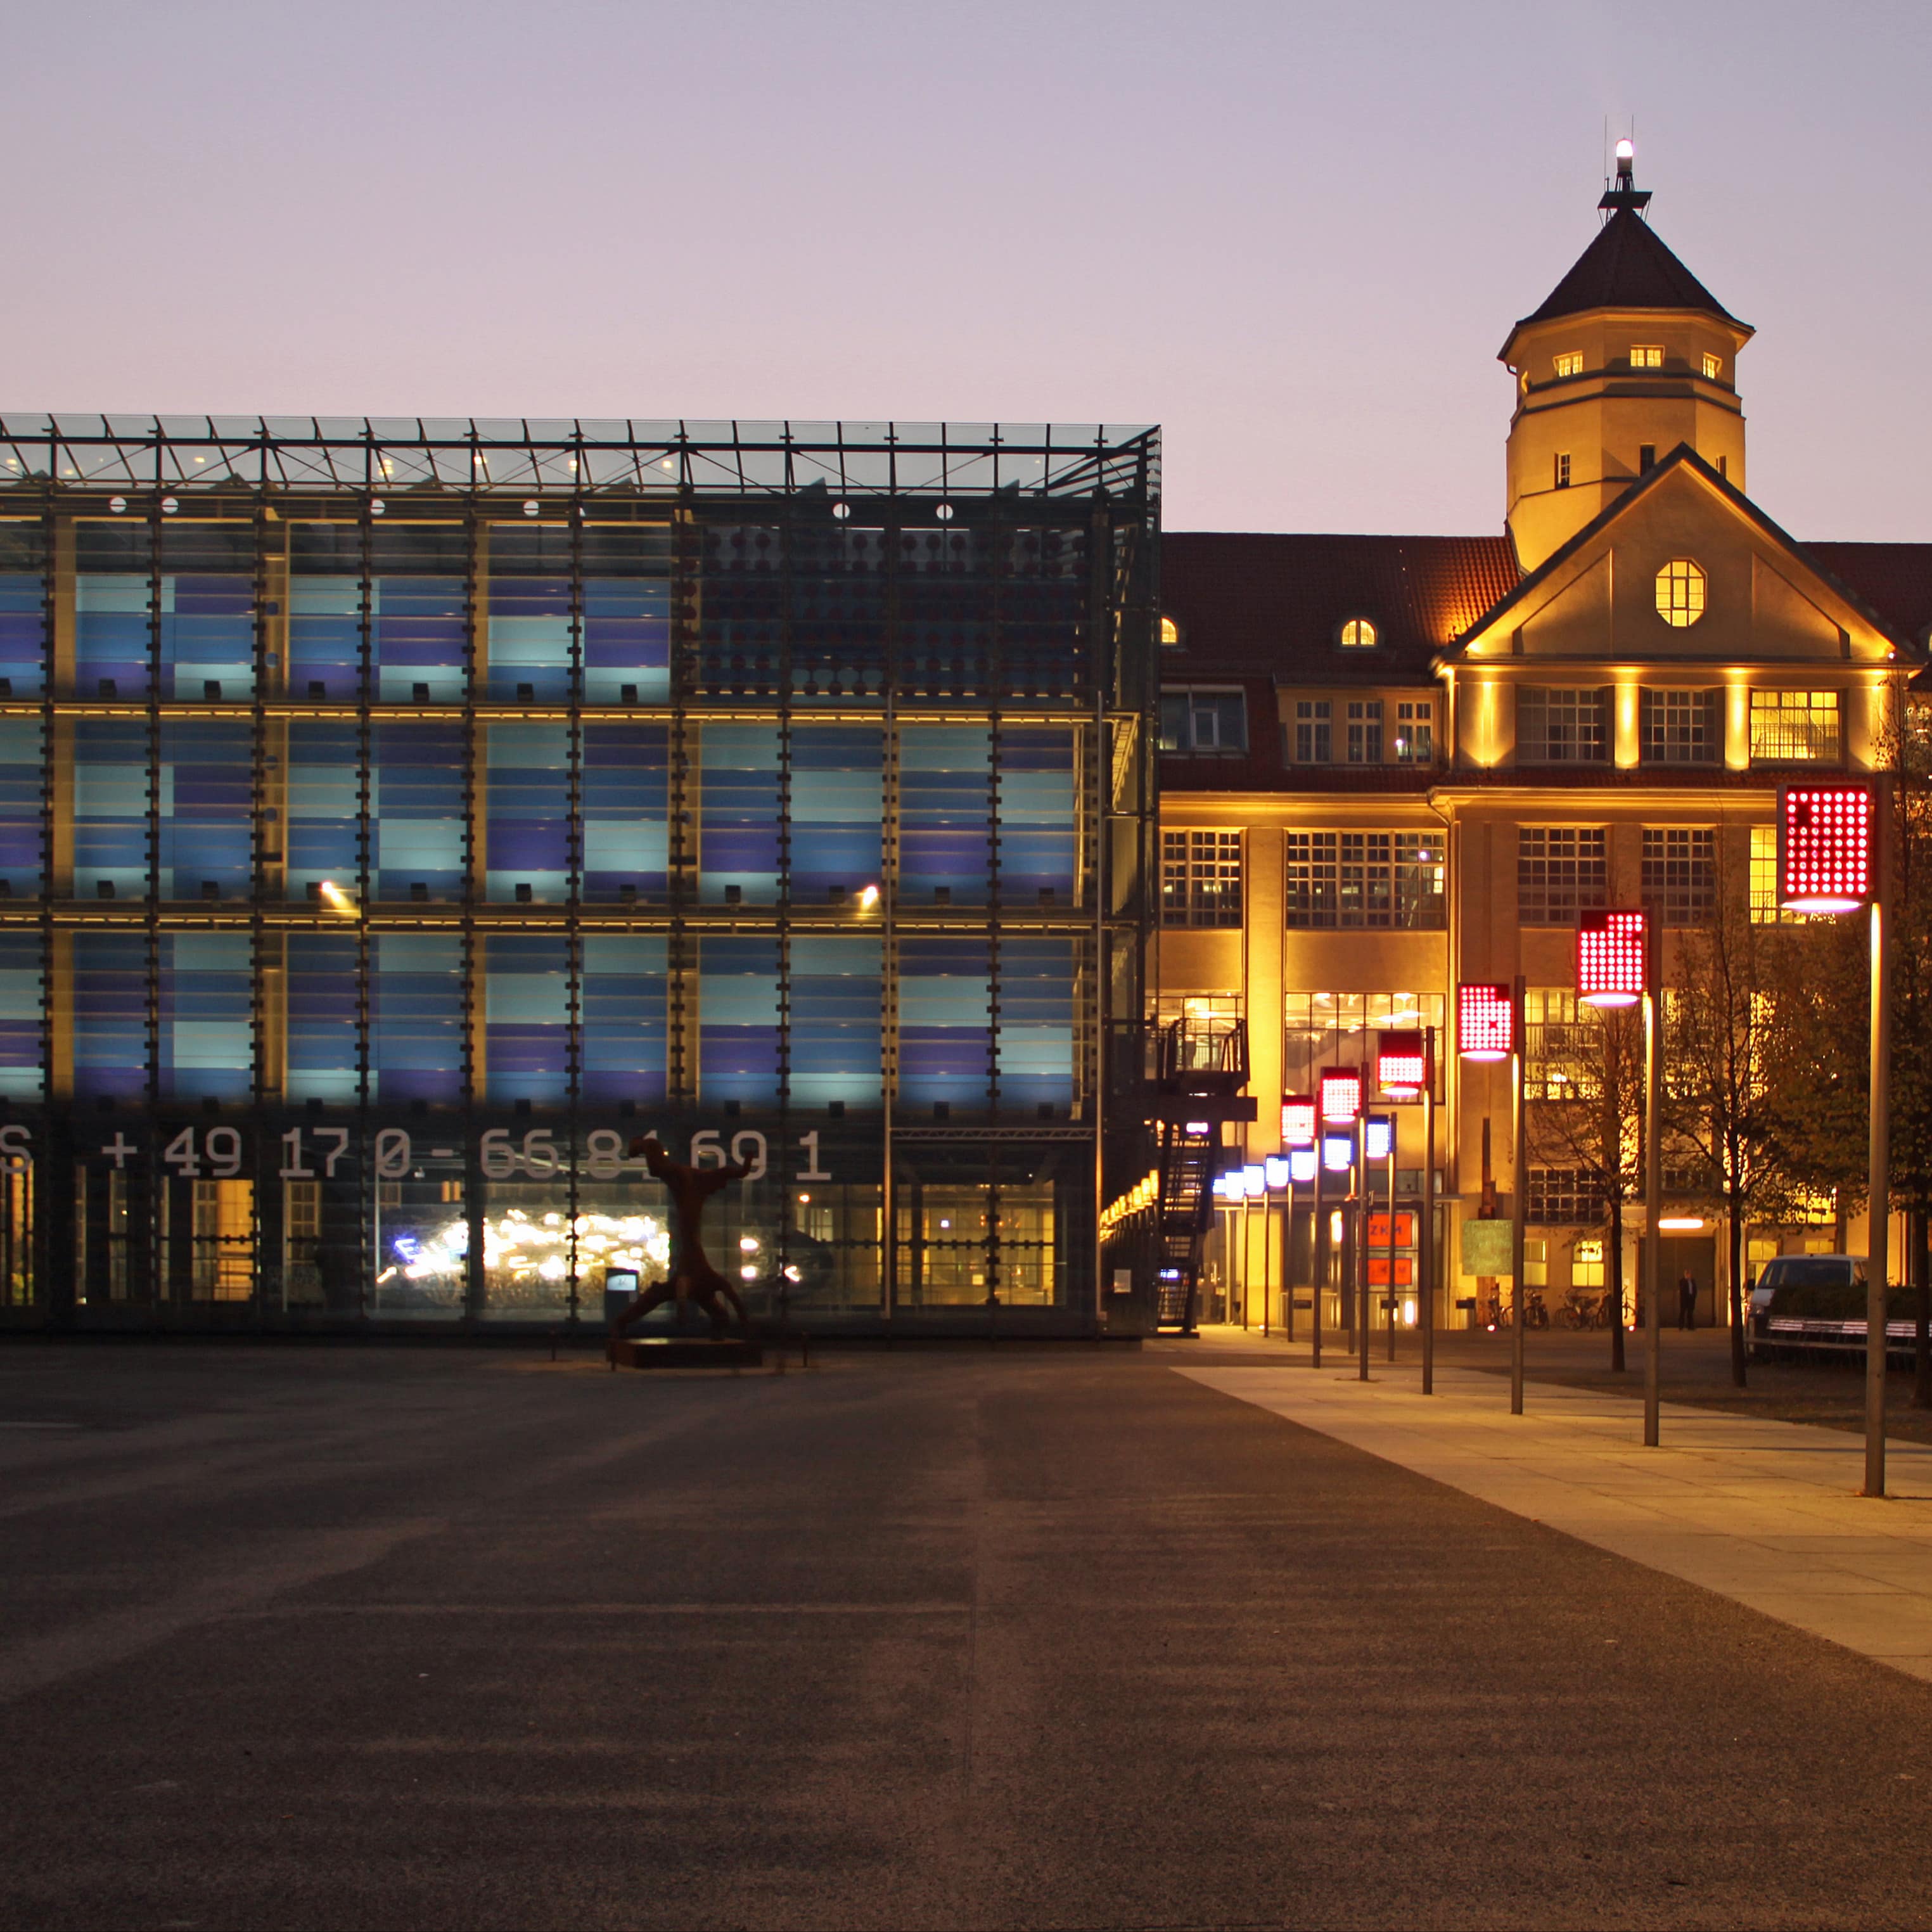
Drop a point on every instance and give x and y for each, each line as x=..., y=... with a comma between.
x=1274, y=605
x=1626, y=266
x=1894, y=579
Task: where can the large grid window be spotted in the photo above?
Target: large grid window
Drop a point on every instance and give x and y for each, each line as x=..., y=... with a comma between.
x=1561, y=725
x=1314, y=727
x=1415, y=731
x=1566, y=1197
x=1365, y=731
x=22, y=612
x=1681, y=727
x=1321, y=1030
x=1767, y=906
x=1201, y=878
x=1562, y=1059
x=1366, y=879
x=1792, y=727
x=1559, y=870
x=1680, y=877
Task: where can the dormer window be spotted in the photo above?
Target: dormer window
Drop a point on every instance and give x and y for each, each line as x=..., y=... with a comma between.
x=1680, y=593
x=1359, y=635
x=1646, y=356
x=1714, y=368
x=1569, y=363
x=1170, y=631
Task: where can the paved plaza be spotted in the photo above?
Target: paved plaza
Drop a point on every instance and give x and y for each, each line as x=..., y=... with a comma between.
x=1183, y=1637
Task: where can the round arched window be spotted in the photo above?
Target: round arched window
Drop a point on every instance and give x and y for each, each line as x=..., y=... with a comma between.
x=1170, y=631
x=1358, y=634
x=1680, y=592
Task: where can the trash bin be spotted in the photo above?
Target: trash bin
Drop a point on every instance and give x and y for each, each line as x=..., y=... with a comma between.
x=620, y=1288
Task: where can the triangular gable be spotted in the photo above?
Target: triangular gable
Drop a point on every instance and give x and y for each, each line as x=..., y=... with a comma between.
x=1595, y=600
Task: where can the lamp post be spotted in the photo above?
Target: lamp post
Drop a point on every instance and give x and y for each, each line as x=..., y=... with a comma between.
x=1341, y=1105
x=1298, y=1113
x=1489, y=1028
x=1831, y=857
x=1617, y=965
x=1405, y=1070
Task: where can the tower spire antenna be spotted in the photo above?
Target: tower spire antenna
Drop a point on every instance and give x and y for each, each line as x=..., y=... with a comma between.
x=1626, y=194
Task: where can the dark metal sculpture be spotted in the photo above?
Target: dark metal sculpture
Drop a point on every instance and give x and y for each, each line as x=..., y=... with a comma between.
x=691, y=1278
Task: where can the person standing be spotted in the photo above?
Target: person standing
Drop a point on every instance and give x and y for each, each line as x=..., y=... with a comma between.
x=1686, y=1300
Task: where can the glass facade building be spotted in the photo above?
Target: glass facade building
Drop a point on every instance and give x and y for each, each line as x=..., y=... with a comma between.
x=396, y=817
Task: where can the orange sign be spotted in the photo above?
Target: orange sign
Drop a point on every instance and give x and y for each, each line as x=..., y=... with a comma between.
x=1405, y=1229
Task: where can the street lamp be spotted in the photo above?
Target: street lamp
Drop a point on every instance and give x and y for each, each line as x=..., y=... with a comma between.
x=1617, y=966
x=1489, y=1028
x=1405, y=1070
x=1831, y=859
x=1341, y=1106
x=1299, y=1120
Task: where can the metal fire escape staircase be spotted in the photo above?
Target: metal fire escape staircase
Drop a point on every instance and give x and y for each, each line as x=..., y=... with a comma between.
x=1201, y=1070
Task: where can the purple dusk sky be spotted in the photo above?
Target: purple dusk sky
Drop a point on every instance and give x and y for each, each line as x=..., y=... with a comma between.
x=1294, y=235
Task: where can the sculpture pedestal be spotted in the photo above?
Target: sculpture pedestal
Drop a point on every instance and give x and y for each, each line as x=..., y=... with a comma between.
x=685, y=1352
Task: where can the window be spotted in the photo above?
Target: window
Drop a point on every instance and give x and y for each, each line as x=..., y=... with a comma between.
x=1219, y=1011
x=1646, y=458
x=1415, y=732
x=1569, y=362
x=1365, y=731
x=1535, y=1262
x=1170, y=631
x=1714, y=368
x=1646, y=356
x=1338, y=1030
x=1359, y=635
x=1562, y=1054
x=1562, y=470
x=1680, y=877
x=1561, y=727
x=1766, y=909
x=1586, y=1264
x=1681, y=727
x=1559, y=870
x=1203, y=721
x=1790, y=728
x=1388, y=880
x=1680, y=593
x=1201, y=878
x=1311, y=731
x=1565, y=1197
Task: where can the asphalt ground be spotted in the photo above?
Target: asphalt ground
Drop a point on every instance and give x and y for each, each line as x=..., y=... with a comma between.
x=339, y=1637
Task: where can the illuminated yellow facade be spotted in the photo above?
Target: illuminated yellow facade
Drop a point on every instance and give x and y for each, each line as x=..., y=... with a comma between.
x=1594, y=709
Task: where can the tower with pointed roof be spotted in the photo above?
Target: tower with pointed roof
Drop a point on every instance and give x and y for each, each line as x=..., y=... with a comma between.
x=1629, y=355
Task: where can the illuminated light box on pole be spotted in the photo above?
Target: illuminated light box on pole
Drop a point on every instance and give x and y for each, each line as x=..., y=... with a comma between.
x=1298, y=1120
x=1401, y=1065
x=1254, y=1180
x=1378, y=1136
x=1301, y=1165
x=1275, y=1166
x=1341, y=1095
x=1485, y=1021
x=1338, y=1152
x=1824, y=847
x=1612, y=965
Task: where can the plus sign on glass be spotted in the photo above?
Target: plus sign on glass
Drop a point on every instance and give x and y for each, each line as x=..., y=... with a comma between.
x=1401, y=1065
x=1485, y=1021
x=1341, y=1093
x=1824, y=847
x=1610, y=961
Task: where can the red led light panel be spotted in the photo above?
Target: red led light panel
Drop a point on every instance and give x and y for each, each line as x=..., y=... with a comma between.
x=1297, y=1119
x=1341, y=1093
x=1610, y=961
x=1402, y=1066
x=1485, y=1022
x=1824, y=847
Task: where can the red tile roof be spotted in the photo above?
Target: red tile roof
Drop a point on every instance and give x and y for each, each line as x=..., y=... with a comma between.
x=1894, y=579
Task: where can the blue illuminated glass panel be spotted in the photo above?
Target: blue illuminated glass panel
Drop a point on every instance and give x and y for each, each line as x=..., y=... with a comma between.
x=207, y=610
x=740, y=813
x=625, y=811
x=322, y=1028
x=205, y=807
x=322, y=769
x=416, y=810
x=527, y=1017
x=1037, y=814
x=110, y=807
x=738, y=1018
x=324, y=626
x=528, y=810
x=20, y=852
x=627, y=613
x=945, y=1021
x=110, y=1015
x=421, y=600
x=416, y=1017
x=624, y=1002
x=837, y=807
x=1038, y=977
x=113, y=631
x=835, y=1030
x=20, y=985
x=206, y=1044
x=530, y=612
x=22, y=615
x=945, y=812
